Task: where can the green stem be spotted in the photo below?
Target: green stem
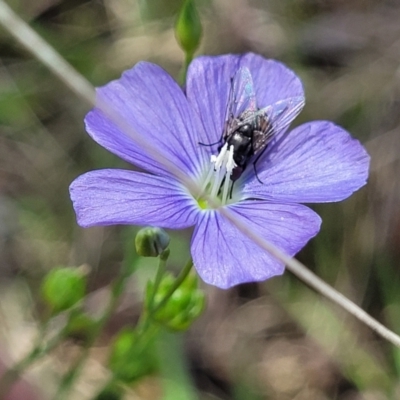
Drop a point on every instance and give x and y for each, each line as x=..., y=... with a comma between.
x=147, y=315
x=145, y=329
x=144, y=320
x=183, y=72
x=178, y=281
x=160, y=273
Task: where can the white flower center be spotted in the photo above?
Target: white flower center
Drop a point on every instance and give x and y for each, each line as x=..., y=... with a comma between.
x=218, y=184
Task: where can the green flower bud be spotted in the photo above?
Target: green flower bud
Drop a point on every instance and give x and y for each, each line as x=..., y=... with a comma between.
x=188, y=27
x=151, y=242
x=131, y=356
x=184, y=306
x=63, y=287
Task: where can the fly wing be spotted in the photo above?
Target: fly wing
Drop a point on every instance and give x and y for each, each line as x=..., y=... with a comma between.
x=282, y=113
x=262, y=135
x=241, y=100
x=273, y=119
x=244, y=97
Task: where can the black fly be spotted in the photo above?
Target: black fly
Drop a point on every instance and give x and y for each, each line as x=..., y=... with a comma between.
x=250, y=129
x=249, y=135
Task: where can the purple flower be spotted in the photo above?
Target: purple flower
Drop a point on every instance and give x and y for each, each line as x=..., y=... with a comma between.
x=316, y=162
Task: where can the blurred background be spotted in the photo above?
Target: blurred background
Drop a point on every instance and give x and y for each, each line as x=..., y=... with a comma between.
x=273, y=340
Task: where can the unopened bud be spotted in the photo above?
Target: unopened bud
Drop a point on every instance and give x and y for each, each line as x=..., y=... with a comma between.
x=188, y=27
x=151, y=242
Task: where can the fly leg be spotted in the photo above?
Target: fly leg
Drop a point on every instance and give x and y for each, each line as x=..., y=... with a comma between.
x=255, y=169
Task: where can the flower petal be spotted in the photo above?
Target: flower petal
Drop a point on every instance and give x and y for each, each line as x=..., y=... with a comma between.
x=153, y=104
x=112, y=196
x=317, y=162
x=209, y=83
x=224, y=256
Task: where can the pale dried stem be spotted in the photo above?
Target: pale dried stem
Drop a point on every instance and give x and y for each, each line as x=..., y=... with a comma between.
x=35, y=44
x=46, y=54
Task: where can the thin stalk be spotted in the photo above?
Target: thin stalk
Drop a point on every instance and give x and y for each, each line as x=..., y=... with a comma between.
x=147, y=315
x=183, y=71
x=45, y=53
x=312, y=280
x=159, y=274
x=41, y=50
x=178, y=281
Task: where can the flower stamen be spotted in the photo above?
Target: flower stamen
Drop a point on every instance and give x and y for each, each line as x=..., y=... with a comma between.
x=219, y=175
x=230, y=165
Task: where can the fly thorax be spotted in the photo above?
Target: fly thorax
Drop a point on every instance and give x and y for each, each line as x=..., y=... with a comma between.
x=241, y=148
